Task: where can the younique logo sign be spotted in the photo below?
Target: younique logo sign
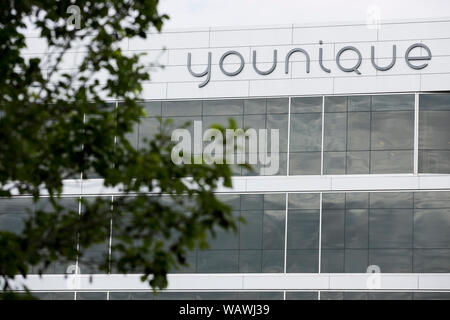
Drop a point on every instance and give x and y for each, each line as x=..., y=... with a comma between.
x=412, y=61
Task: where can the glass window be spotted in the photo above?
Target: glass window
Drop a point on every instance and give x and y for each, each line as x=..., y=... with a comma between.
x=428, y=200
x=306, y=136
x=333, y=223
x=358, y=132
x=181, y=108
x=357, y=200
x=371, y=134
x=280, y=122
x=250, y=261
x=432, y=161
x=272, y=261
x=303, y=229
x=148, y=129
x=250, y=233
x=131, y=296
x=335, y=132
x=191, y=263
x=271, y=113
x=336, y=104
x=275, y=201
x=224, y=239
x=297, y=295
x=391, y=161
x=70, y=205
x=152, y=108
x=431, y=228
x=223, y=121
x=132, y=136
x=334, y=163
x=382, y=228
x=217, y=261
x=358, y=162
x=331, y=295
x=98, y=253
x=13, y=212
x=356, y=260
x=223, y=107
x=390, y=228
x=306, y=132
x=332, y=261
x=53, y=295
x=232, y=200
x=392, y=130
x=392, y=260
x=384, y=200
x=273, y=229
x=252, y=201
x=393, y=102
x=304, y=163
x=359, y=103
x=434, y=133
x=390, y=295
x=304, y=201
x=431, y=260
x=277, y=105
x=306, y=105
x=333, y=201
x=302, y=261
x=431, y=295
x=357, y=228
x=260, y=296
x=170, y=295
x=91, y=295
x=255, y=121
x=255, y=106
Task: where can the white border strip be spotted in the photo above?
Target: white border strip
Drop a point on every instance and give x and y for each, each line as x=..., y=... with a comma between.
x=312, y=183
x=262, y=281
x=416, y=133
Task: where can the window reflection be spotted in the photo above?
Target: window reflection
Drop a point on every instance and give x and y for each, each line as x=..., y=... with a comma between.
x=434, y=133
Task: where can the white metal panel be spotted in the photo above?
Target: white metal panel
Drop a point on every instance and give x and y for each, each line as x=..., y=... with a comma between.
x=326, y=183
x=291, y=87
x=375, y=84
x=154, y=90
x=438, y=47
x=434, y=181
x=427, y=30
x=200, y=56
x=239, y=281
x=429, y=281
x=376, y=182
x=214, y=89
x=334, y=34
x=35, y=45
x=437, y=81
x=251, y=37
x=170, y=40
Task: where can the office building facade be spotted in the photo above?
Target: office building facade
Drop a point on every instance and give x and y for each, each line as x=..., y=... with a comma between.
x=359, y=206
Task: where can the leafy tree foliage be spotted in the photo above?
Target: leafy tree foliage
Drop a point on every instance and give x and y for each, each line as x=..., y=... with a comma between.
x=56, y=124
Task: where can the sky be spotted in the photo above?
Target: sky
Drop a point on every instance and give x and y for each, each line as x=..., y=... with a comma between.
x=223, y=13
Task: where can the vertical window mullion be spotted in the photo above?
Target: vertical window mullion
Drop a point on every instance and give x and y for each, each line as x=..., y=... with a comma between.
x=285, y=235
x=320, y=231
x=416, y=133
x=288, y=138
x=323, y=133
